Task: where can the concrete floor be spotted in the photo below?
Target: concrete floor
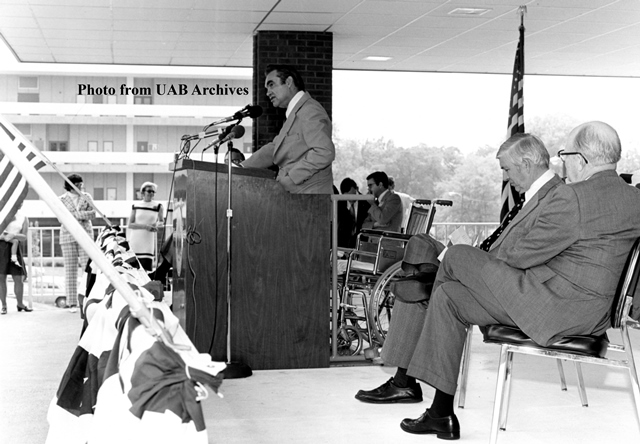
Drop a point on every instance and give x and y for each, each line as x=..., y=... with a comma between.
x=317, y=405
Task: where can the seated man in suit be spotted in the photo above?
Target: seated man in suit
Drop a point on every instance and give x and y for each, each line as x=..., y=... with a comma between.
x=385, y=212
x=351, y=215
x=303, y=149
x=526, y=162
x=551, y=278
x=407, y=203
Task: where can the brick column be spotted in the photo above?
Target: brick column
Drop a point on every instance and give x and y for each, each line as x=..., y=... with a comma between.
x=311, y=53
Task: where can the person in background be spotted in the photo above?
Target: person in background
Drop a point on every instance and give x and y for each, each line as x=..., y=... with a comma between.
x=15, y=233
x=145, y=219
x=303, y=149
x=81, y=206
x=407, y=202
x=351, y=215
x=385, y=212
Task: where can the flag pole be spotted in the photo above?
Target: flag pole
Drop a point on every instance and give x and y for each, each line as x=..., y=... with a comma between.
x=138, y=309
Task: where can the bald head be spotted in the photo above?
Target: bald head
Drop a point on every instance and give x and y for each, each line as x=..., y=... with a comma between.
x=599, y=145
x=597, y=141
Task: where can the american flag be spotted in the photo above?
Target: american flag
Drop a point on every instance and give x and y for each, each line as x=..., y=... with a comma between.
x=13, y=187
x=510, y=196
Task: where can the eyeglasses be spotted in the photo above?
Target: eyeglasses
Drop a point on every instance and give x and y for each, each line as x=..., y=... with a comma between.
x=149, y=191
x=569, y=153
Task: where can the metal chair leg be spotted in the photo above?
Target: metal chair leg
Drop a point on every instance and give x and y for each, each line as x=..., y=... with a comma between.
x=464, y=368
x=581, y=388
x=563, y=381
x=507, y=392
x=633, y=373
x=497, y=402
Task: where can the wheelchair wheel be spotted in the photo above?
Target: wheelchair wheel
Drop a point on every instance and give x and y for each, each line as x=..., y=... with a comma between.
x=381, y=304
x=349, y=341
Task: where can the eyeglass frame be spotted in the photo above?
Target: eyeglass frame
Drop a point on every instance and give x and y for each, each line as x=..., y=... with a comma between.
x=569, y=153
x=149, y=191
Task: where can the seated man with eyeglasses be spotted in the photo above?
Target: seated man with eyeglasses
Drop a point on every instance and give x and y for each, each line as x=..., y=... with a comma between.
x=555, y=277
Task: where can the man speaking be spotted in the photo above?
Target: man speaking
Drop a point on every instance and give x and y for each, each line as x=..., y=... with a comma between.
x=303, y=149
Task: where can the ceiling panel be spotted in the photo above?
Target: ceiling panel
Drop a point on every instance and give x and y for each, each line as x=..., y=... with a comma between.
x=567, y=37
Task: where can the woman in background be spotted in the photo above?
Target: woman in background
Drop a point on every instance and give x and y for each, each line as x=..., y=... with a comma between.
x=146, y=217
x=15, y=231
x=82, y=207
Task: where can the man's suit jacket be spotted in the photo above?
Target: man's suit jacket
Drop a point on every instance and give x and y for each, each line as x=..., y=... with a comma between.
x=387, y=214
x=408, y=318
x=348, y=226
x=303, y=150
x=560, y=259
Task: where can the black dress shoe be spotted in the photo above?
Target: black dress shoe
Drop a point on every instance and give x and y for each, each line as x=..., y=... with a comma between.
x=447, y=427
x=388, y=393
x=25, y=309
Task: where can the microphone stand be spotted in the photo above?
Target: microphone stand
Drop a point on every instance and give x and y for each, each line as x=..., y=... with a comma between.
x=234, y=369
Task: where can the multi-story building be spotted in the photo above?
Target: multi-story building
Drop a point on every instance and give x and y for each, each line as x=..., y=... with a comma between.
x=118, y=126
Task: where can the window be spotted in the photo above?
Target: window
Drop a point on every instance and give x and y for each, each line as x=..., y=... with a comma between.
x=92, y=145
x=24, y=128
x=58, y=146
x=142, y=100
x=28, y=83
x=28, y=97
x=143, y=147
x=107, y=146
x=28, y=89
x=112, y=194
x=98, y=193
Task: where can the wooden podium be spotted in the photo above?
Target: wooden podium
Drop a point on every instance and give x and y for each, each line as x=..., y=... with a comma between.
x=280, y=270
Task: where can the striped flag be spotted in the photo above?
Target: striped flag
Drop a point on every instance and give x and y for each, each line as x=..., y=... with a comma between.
x=13, y=187
x=510, y=196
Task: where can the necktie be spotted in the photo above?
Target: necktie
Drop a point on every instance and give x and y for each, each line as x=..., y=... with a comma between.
x=486, y=244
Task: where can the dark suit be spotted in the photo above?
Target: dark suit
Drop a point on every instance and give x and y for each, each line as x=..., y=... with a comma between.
x=387, y=214
x=348, y=225
x=303, y=150
x=553, y=273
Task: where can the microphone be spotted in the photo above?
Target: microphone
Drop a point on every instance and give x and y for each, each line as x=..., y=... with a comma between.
x=220, y=132
x=236, y=132
x=252, y=111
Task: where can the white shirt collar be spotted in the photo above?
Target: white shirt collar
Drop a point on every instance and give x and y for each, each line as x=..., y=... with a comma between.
x=382, y=195
x=535, y=186
x=293, y=102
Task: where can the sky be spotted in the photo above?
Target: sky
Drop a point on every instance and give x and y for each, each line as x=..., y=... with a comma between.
x=471, y=110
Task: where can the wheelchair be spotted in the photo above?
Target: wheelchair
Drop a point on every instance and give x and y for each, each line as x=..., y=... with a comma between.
x=371, y=268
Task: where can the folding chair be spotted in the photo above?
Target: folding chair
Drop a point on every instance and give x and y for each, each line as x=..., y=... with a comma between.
x=580, y=348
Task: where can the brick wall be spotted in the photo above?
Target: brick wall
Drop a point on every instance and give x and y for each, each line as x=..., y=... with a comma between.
x=312, y=55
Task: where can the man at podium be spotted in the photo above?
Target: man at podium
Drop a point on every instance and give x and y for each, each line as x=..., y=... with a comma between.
x=303, y=150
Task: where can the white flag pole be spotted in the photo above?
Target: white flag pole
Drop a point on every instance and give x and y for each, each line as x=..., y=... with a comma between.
x=138, y=309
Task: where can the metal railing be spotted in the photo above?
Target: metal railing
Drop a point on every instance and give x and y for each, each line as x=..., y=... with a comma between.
x=476, y=230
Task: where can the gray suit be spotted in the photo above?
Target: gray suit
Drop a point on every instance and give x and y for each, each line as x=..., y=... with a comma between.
x=303, y=150
x=386, y=215
x=408, y=319
x=554, y=273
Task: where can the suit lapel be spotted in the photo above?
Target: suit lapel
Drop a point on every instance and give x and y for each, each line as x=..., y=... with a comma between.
x=289, y=122
x=528, y=208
